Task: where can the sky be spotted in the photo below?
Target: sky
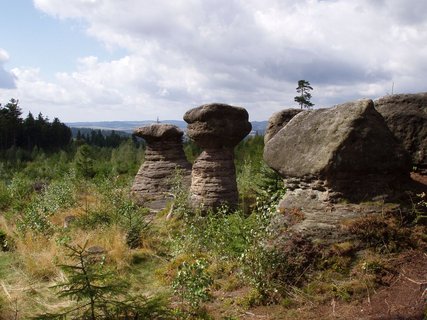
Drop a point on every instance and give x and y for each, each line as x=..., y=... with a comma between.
x=106, y=60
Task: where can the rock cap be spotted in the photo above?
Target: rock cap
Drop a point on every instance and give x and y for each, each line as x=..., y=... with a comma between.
x=159, y=131
x=216, y=125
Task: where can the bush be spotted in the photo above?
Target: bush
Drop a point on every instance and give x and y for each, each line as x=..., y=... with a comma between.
x=192, y=283
x=5, y=197
x=382, y=233
x=99, y=293
x=273, y=269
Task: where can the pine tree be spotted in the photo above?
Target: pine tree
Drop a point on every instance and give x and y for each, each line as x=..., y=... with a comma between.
x=84, y=161
x=303, y=99
x=99, y=293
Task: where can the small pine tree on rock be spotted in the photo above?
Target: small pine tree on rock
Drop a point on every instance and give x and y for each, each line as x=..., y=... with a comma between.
x=303, y=99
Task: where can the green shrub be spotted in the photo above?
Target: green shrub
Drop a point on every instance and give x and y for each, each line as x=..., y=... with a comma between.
x=34, y=219
x=273, y=269
x=5, y=197
x=192, y=283
x=58, y=195
x=99, y=293
x=19, y=189
x=116, y=208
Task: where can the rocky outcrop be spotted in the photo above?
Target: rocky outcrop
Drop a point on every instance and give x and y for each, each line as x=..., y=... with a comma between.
x=406, y=116
x=163, y=156
x=342, y=152
x=277, y=121
x=217, y=129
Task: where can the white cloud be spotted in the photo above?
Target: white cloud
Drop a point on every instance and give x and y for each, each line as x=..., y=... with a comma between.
x=247, y=52
x=7, y=79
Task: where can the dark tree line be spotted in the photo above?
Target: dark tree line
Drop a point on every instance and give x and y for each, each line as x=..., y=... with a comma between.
x=101, y=139
x=30, y=132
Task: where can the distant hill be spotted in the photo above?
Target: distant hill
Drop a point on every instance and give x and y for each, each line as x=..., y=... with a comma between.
x=258, y=127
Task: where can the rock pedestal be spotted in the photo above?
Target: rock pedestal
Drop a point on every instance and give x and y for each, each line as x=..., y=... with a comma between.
x=163, y=156
x=217, y=129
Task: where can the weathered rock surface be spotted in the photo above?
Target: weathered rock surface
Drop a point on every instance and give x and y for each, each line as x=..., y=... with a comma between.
x=277, y=121
x=216, y=128
x=217, y=125
x=406, y=116
x=347, y=149
x=163, y=156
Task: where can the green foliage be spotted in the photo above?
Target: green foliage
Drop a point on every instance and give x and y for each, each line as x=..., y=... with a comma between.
x=273, y=269
x=303, y=99
x=223, y=234
x=84, y=161
x=35, y=216
x=420, y=209
x=5, y=197
x=99, y=293
x=58, y=195
x=17, y=133
x=116, y=208
x=34, y=219
x=19, y=189
x=132, y=219
x=192, y=283
x=124, y=159
x=191, y=150
x=181, y=206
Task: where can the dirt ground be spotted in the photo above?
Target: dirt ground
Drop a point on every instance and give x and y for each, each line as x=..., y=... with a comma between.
x=403, y=297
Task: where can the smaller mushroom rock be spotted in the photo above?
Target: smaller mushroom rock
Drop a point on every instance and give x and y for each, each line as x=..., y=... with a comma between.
x=164, y=155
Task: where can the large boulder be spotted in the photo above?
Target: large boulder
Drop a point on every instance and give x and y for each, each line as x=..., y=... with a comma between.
x=406, y=116
x=216, y=128
x=164, y=156
x=347, y=149
x=277, y=121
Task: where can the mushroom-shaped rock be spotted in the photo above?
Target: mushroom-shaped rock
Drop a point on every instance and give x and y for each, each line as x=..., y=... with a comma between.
x=216, y=128
x=406, y=116
x=347, y=148
x=277, y=121
x=217, y=125
x=164, y=155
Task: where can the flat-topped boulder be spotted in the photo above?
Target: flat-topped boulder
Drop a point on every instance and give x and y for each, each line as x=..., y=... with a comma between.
x=217, y=125
x=406, y=116
x=347, y=150
x=159, y=132
x=164, y=155
x=277, y=121
x=216, y=128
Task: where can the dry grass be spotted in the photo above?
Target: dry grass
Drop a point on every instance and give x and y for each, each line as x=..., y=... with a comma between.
x=38, y=256
x=112, y=240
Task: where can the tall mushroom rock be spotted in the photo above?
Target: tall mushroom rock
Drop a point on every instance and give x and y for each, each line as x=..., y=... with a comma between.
x=217, y=129
x=163, y=156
